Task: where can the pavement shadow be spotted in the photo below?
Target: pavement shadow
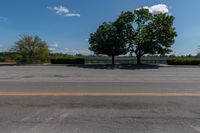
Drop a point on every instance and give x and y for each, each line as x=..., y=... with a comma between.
x=99, y=66
x=110, y=67
x=3, y=65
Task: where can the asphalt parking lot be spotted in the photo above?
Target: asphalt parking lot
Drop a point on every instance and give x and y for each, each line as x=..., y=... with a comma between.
x=89, y=113
x=102, y=114
x=77, y=79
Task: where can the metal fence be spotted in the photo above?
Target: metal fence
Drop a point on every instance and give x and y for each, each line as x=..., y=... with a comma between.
x=125, y=60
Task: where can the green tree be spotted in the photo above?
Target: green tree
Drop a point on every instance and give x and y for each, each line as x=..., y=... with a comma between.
x=32, y=49
x=111, y=38
x=198, y=52
x=153, y=33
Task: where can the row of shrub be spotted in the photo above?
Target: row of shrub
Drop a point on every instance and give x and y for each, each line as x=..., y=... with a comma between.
x=67, y=60
x=183, y=61
x=2, y=59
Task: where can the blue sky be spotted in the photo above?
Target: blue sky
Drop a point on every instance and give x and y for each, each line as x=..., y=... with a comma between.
x=66, y=24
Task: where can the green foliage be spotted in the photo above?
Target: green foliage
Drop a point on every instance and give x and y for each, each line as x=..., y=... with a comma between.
x=183, y=61
x=198, y=54
x=31, y=49
x=67, y=60
x=111, y=38
x=9, y=57
x=2, y=59
x=154, y=33
x=60, y=55
x=105, y=41
x=143, y=32
x=151, y=33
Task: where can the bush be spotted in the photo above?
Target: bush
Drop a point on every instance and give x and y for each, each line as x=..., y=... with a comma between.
x=30, y=50
x=67, y=60
x=183, y=61
x=2, y=59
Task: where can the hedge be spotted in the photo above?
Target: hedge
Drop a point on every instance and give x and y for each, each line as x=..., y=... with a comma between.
x=183, y=61
x=2, y=59
x=67, y=60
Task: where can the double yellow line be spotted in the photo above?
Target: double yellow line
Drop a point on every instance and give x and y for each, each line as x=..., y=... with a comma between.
x=56, y=94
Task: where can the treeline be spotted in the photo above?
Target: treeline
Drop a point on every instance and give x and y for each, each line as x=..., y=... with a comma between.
x=33, y=50
x=53, y=58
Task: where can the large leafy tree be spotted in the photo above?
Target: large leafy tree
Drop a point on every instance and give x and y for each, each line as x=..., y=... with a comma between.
x=31, y=49
x=111, y=38
x=152, y=34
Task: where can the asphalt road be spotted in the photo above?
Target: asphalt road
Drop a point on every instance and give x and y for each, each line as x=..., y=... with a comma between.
x=77, y=79
x=99, y=114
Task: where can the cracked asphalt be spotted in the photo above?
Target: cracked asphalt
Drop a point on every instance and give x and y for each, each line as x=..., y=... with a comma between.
x=103, y=114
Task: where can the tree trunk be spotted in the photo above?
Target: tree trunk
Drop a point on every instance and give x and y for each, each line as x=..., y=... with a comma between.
x=113, y=61
x=139, y=59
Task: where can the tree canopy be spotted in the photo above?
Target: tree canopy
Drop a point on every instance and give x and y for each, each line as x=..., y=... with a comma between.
x=139, y=32
x=111, y=38
x=31, y=49
x=153, y=33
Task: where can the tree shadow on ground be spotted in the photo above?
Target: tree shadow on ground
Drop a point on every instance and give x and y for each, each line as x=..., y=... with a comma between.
x=4, y=65
x=110, y=67
x=99, y=66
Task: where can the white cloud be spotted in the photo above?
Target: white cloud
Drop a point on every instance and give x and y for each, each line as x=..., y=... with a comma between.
x=73, y=15
x=159, y=8
x=70, y=51
x=61, y=10
x=77, y=51
x=55, y=45
x=52, y=49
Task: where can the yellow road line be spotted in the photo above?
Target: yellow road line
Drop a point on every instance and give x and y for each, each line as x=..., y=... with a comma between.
x=101, y=94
